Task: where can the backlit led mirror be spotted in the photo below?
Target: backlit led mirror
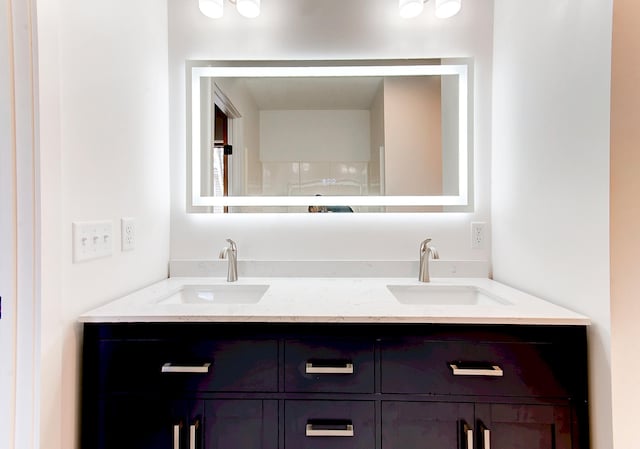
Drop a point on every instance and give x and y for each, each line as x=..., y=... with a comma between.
x=329, y=136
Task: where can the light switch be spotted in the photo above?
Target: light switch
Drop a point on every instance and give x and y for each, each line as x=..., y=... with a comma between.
x=92, y=240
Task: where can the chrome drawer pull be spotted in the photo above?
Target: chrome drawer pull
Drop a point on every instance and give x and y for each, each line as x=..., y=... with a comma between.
x=328, y=430
x=176, y=436
x=489, y=370
x=169, y=368
x=318, y=367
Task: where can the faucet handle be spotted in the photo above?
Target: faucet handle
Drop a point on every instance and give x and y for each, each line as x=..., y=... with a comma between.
x=233, y=245
x=424, y=245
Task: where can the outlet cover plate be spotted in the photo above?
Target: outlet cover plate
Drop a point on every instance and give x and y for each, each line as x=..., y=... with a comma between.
x=128, y=233
x=478, y=237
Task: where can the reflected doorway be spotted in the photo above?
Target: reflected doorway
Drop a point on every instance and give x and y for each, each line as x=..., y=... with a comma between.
x=221, y=157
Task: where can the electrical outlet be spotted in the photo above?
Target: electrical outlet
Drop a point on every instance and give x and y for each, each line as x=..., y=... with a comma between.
x=128, y=233
x=477, y=235
x=91, y=240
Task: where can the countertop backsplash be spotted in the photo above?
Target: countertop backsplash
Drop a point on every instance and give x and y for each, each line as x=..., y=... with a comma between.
x=332, y=268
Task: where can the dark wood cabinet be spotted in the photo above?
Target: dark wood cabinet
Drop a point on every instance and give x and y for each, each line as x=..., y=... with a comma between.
x=240, y=423
x=475, y=425
x=143, y=423
x=523, y=426
x=140, y=422
x=317, y=386
x=416, y=425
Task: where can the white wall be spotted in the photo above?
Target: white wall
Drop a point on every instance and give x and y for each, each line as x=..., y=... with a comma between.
x=314, y=135
x=19, y=242
x=450, y=135
x=7, y=240
x=328, y=29
x=550, y=196
x=104, y=145
x=377, y=140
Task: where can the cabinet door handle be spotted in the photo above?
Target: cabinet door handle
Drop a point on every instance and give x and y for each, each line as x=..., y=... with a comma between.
x=486, y=439
x=485, y=436
x=329, y=367
x=488, y=370
x=193, y=428
x=171, y=368
x=328, y=428
x=467, y=435
x=176, y=436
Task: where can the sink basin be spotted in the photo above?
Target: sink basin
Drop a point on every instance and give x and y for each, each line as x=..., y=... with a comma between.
x=217, y=294
x=458, y=295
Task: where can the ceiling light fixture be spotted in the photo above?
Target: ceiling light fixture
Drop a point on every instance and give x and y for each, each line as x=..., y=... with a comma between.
x=413, y=8
x=211, y=8
x=447, y=8
x=248, y=8
x=215, y=8
x=410, y=8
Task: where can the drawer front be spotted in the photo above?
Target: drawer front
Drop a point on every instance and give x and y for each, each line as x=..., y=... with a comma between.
x=329, y=425
x=240, y=365
x=474, y=368
x=332, y=366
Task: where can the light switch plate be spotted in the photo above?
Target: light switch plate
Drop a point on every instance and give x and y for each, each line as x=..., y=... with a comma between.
x=92, y=240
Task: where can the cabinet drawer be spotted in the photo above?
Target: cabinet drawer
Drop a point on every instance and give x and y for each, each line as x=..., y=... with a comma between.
x=329, y=425
x=240, y=365
x=335, y=366
x=475, y=368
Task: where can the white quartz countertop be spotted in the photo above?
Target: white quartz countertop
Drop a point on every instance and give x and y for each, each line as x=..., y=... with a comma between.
x=332, y=300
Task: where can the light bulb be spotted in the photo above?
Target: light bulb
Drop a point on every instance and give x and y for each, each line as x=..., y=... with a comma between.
x=211, y=8
x=410, y=8
x=447, y=8
x=249, y=8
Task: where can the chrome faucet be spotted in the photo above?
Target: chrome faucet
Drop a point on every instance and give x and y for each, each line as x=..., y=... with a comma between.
x=425, y=250
x=231, y=252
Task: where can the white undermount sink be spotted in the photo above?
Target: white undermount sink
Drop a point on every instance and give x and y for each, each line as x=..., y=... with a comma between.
x=435, y=295
x=217, y=294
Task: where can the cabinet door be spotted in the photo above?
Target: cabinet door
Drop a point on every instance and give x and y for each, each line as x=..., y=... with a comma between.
x=146, y=423
x=240, y=423
x=419, y=425
x=516, y=426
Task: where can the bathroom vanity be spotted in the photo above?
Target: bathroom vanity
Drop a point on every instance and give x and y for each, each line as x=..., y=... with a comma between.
x=334, y=363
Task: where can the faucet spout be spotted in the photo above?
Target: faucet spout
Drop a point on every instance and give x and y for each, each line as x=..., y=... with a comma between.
x=231, y=252
x=425, y=250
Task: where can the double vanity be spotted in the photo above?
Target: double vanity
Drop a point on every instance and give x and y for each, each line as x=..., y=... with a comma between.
x=333, y=362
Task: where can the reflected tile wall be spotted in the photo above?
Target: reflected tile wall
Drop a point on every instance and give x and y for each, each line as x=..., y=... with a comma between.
x=278, y=178
x=312, y=178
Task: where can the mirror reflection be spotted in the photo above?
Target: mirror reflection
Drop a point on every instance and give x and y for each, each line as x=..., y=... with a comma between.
x=331, y=143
